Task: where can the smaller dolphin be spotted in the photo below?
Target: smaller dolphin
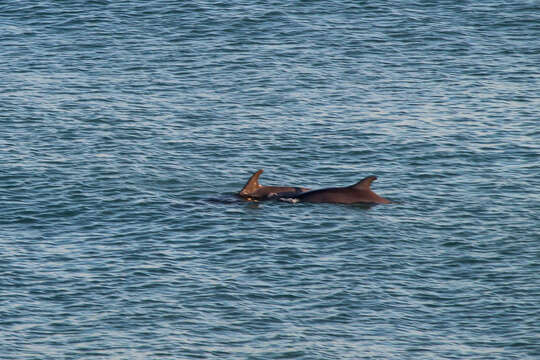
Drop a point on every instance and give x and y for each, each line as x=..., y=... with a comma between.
x=359, y=193
x=255, y=191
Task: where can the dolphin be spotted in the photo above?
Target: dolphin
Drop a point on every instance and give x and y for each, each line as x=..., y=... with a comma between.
x=359, y=193
x=255, y=191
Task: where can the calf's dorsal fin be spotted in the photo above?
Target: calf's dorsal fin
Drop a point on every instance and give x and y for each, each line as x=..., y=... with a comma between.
x=253, y=184
x=365, y=183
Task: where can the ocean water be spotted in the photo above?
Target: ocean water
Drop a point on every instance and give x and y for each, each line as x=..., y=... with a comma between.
x=127, y=127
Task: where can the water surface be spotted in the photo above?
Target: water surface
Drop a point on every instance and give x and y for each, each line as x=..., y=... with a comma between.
x=128, y=126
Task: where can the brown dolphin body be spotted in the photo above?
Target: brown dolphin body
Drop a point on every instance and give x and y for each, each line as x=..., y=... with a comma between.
x=355, y=194
x=255, y=191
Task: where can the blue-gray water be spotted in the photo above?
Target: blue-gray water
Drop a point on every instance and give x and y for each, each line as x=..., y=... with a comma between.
x=128, y=125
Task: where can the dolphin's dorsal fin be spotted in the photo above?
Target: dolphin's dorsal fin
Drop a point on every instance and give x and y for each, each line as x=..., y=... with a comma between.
x=253, y=184
x=365, y=183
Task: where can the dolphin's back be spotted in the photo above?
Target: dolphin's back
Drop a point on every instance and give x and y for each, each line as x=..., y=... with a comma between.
x=330, y=195
x=345, y=195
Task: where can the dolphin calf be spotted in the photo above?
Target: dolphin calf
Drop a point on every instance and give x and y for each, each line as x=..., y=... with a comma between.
x=359, y=193
x=255, y=191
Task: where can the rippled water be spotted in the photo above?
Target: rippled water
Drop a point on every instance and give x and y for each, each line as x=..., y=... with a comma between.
x=128, y=126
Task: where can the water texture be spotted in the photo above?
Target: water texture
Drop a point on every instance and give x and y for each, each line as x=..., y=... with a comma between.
x=128, y=126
